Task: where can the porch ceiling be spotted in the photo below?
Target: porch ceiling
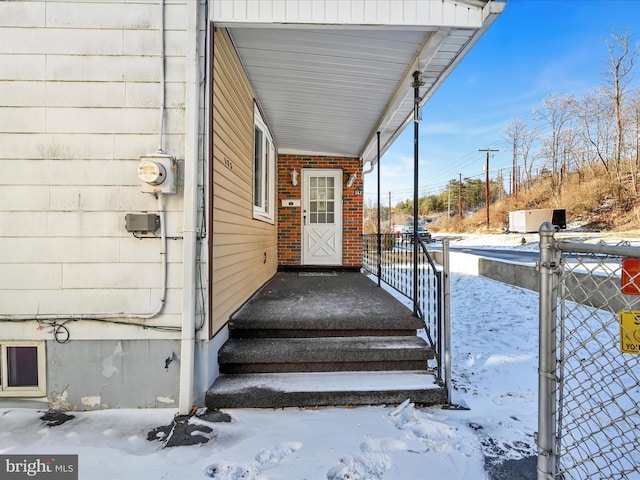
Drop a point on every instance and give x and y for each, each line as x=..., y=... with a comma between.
x=327, y=89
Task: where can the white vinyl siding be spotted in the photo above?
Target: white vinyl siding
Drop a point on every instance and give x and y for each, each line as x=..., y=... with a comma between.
x=79, y=104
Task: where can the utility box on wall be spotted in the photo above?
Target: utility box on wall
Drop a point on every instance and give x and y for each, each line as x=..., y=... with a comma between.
x=142, y=222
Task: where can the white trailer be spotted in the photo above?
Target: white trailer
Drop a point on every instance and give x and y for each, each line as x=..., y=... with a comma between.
x=528, y=221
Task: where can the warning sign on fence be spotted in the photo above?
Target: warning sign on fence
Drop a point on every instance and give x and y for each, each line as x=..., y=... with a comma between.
x=630, y=278
x=629, y=331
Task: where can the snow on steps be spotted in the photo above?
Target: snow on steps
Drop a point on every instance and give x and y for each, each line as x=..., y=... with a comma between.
x=273, y=390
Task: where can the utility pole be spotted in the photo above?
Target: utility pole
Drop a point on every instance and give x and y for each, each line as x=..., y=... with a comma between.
x=460, y=198
x=486, y=168
x=514, y=162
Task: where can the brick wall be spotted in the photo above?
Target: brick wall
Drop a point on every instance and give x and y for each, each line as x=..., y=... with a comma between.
x=289, y=218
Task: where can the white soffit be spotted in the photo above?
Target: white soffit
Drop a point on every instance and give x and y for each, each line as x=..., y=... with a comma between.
x=327, y=89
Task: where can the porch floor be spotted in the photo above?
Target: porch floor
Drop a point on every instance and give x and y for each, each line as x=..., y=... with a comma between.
x=323, y=338
x=326, y=298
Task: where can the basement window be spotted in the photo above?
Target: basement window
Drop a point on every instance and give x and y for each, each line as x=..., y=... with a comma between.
x=22, y=369
x=263, y=170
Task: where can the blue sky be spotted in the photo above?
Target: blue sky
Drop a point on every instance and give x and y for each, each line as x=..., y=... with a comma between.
x=534, y=49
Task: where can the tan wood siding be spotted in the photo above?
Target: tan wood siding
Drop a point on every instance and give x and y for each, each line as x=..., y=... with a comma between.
x=239, y=242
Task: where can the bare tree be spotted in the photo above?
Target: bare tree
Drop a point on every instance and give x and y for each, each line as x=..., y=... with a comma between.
x=619, y=74
x=633, y=120
x=528, y=141
x=522, y=138
x=601, y=128
x=512, y=134
x=556, y=117
x=594, y=114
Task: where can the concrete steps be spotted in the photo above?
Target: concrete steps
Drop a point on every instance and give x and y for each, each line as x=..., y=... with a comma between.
x=329, y=354
x=276, y=390
x=337, y=340
x=242, y=326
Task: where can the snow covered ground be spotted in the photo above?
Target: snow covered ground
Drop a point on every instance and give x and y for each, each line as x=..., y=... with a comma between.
x=494, y=358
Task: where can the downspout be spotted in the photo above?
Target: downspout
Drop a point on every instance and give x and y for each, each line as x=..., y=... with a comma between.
x=163, y=80
x=189, y=256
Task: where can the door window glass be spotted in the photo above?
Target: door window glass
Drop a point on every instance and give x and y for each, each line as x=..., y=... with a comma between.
x=322, y=200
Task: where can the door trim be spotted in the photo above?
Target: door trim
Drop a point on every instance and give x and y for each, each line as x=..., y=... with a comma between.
x=306, y=257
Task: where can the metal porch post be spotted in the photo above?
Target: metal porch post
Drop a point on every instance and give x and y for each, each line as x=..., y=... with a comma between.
x=379, y=258
x=417, y=83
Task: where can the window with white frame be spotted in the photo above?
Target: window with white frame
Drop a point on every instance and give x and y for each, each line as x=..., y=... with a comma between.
x=263, y=170
x=22, y=369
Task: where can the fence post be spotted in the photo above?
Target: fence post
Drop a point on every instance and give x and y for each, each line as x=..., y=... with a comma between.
x=446, y=330
x=379, y=255
x=546, y=436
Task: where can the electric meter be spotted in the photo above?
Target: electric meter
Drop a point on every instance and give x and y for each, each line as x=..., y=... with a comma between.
x=151, y=172
x=157, y=173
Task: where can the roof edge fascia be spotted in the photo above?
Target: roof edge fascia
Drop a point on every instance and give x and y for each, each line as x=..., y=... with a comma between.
x=312, y=153
x=490, y=13
x=369, y=14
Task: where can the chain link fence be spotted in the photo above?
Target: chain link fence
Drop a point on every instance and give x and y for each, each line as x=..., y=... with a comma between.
x=589, y=414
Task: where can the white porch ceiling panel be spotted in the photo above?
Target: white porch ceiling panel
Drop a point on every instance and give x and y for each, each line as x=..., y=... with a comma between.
x=326, y=89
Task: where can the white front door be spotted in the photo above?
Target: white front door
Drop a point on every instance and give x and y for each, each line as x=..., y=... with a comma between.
x=321, y=217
